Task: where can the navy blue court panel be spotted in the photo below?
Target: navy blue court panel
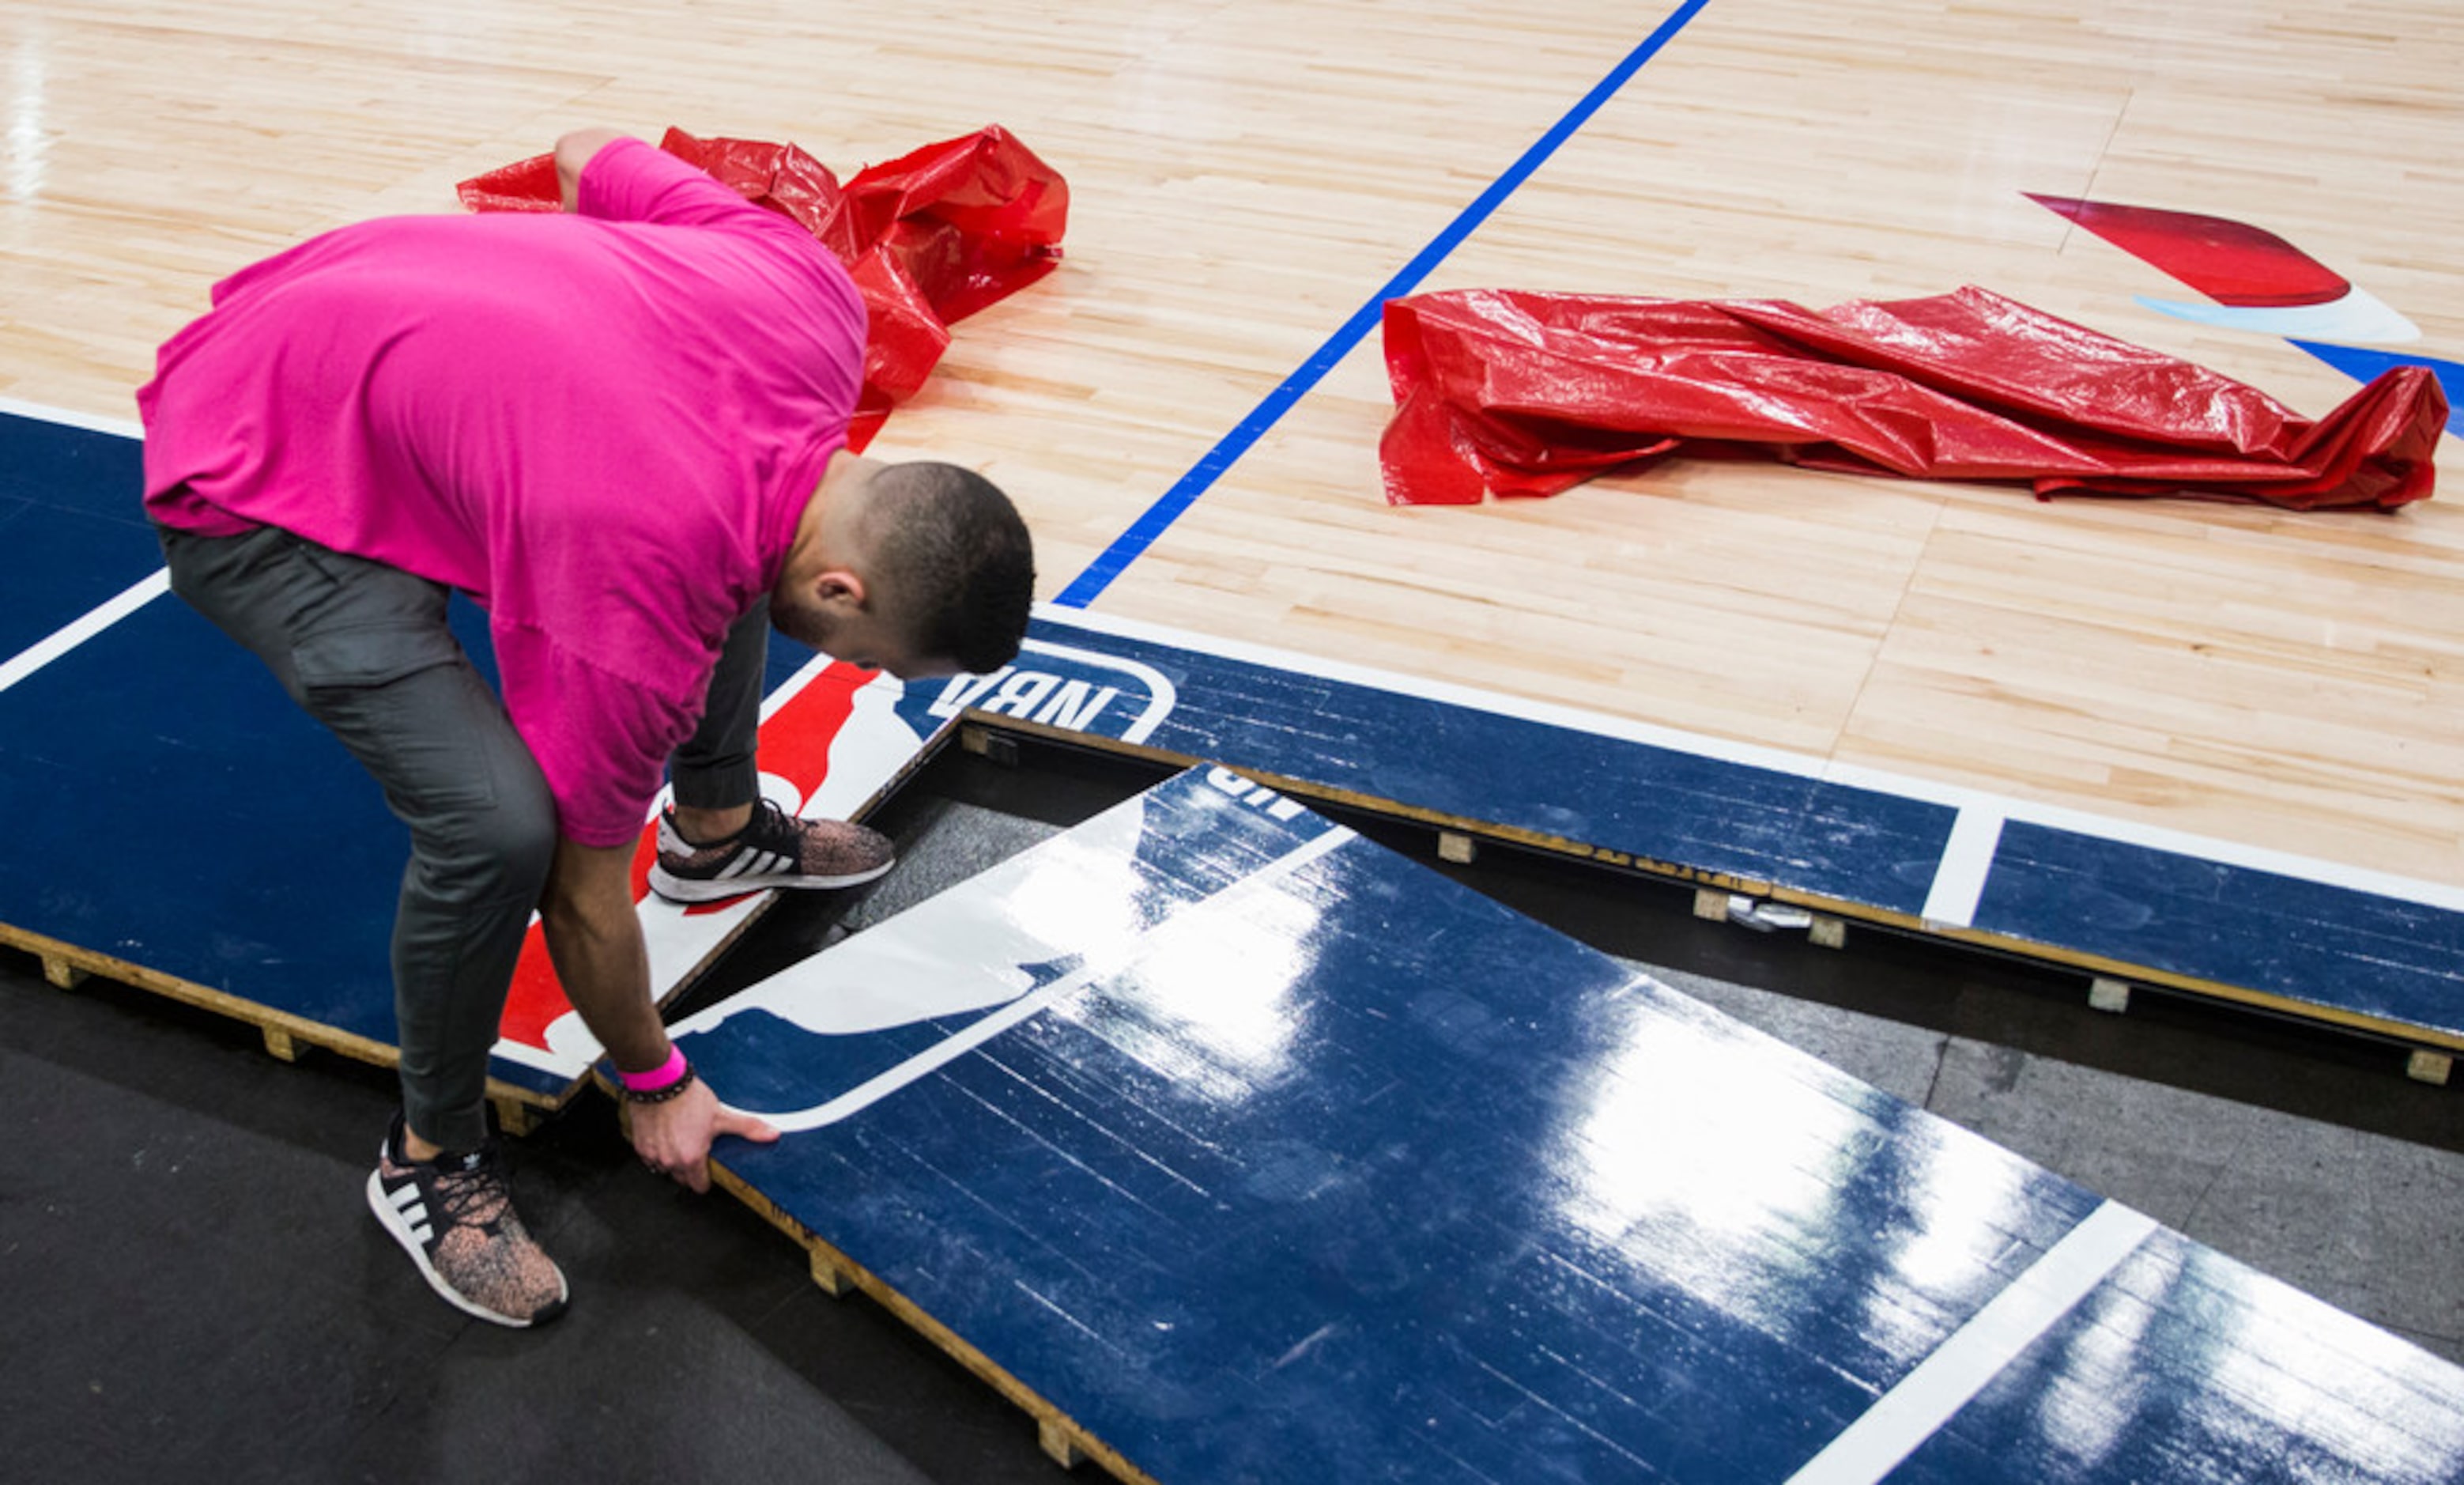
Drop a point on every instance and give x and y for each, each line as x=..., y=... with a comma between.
x=1663, y=805
x=2304, y=944
x=71, y=533
x=1263, y=1154
x=199, y=825
x=2188, y=1368
x=2381, y=957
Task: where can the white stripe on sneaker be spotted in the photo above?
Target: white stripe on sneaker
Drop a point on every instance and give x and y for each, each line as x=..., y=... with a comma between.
x=414, y=1212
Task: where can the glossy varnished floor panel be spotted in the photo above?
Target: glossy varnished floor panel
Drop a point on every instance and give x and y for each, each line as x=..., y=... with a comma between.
x=1245, y=177
x=278, y=1336
x=1278, y=1156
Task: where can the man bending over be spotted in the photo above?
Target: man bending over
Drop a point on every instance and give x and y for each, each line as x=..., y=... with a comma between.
x=620, y=429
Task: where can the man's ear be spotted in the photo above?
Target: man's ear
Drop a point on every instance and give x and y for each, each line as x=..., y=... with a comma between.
x=839, y=587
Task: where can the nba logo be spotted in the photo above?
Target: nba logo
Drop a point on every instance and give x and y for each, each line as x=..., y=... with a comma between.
x=1169, y=878
x=1055, y=685
x=830, y=738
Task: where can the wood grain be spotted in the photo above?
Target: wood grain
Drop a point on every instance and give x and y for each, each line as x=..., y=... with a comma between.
x=1246, y=176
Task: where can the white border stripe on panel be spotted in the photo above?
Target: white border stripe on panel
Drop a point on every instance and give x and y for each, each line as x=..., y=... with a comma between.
x=1965, y=858
x=78, y=631
x=1909, y=1414
x=91, y=422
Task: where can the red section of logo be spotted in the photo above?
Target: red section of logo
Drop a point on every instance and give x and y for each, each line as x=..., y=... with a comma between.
x=2231, y=263
x=795, y=747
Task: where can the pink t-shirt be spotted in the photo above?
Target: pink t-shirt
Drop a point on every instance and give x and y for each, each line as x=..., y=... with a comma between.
x=603, y=427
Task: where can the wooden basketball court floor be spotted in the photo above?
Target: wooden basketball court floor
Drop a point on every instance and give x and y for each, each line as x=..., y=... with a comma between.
x=1248, y=177
x=1249, y=180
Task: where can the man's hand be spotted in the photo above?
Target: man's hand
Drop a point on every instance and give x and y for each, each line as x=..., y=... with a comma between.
x=573, y=151
x=594, y=935
x=673, y=1137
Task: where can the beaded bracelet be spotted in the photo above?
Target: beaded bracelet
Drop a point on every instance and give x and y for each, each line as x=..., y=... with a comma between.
x=662, y=1095
x=664, y=1080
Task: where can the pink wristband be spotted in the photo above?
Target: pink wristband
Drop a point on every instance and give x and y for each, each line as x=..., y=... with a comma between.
x=658, y=1078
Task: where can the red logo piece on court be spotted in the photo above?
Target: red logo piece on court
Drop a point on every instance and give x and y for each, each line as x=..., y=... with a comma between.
x=795, y=750
x=2259, y=281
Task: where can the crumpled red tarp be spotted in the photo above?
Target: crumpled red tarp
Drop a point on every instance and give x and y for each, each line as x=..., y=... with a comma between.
x=1526, y=395
x=928, y=238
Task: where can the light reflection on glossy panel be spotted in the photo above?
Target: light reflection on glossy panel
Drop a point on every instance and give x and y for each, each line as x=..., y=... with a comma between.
x=2187, y=1365
x=1361, y=1177
x=1121, y=895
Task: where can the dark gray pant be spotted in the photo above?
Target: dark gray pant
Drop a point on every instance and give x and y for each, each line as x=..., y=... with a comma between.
x=365, y=648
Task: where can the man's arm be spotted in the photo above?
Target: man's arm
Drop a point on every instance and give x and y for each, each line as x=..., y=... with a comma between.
x=573, y=151
x=595, y=939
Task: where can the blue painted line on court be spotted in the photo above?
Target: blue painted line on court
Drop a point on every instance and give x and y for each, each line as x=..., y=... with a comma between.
x=1133, y=543
x=2362, y=364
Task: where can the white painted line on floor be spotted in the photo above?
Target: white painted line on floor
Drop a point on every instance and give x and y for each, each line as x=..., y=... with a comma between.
x=1911, y=1412
x=77, y=631
x=1959, y=880
x=91, y=422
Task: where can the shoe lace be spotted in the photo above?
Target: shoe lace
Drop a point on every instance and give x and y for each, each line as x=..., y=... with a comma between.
x=478, y=1197
x=771, y=829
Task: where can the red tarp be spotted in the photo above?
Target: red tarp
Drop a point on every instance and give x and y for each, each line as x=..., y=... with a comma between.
x=929, y=237
x=1526, y=395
